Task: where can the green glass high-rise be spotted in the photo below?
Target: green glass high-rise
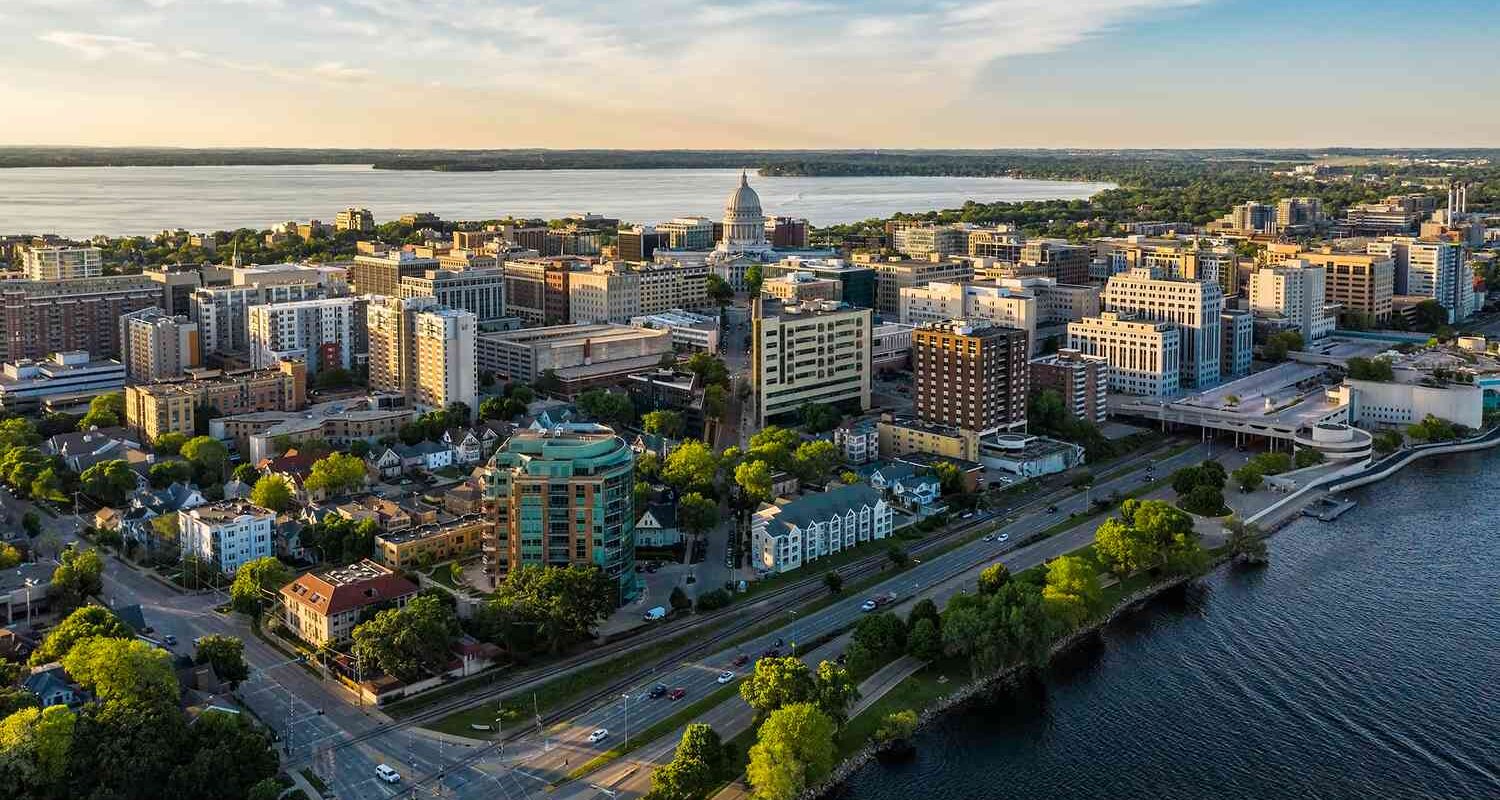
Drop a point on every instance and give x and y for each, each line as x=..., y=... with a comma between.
x=563, y=496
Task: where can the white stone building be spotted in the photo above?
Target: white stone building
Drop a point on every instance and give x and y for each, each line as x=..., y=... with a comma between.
x=789, y=534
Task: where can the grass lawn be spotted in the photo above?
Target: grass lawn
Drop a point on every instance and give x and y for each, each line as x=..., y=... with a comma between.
x=440, y=574
x=659, y=729
x=918, y=691
x=554, y=693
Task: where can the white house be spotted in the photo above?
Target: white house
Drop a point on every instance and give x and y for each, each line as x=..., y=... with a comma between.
x=785, y=535
x=387, y=463
x=430, y=456
x=907, y=485
x=227, y=534
x=470, y=445
x=657, y=527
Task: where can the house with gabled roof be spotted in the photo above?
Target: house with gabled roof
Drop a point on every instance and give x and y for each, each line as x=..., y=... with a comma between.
x=910, y=486
x=323, y=607
x=657, y=526
x=789, y=533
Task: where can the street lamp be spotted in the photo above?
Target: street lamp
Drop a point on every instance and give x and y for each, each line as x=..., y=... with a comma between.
x=627, y=720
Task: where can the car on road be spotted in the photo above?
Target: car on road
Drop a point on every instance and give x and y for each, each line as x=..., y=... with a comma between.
x=966, y=515
x=387, y=774
x=989, y=537
x=599, y=735
x=726, y=676
x=868, y=606
x=1004, y=537
x=657, y=691
x=677, y=693
x=1051, y=509
x=169, y=639
x=741, y=660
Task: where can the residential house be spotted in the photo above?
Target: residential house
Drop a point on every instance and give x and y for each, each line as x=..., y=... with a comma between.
x=387, y=463
x=657, y=526
x=148, y=504
x=54, y=687
x=83, y=449
x=908, y=486
x=465, y=498
x=791, y=532
x=471, y=445
x=293, y=467
x=429, y=456
x=644, y=443
x=323, y=607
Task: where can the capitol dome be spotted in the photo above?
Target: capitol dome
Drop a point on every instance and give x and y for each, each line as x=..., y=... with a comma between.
x=743, y=200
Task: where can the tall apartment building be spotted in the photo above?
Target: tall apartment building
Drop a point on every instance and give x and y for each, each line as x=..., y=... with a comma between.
x=227, y=534
x=359, y=220
x=480, y=291
x=178, y=284
x=156, y=346
x=1432, y=269
x=1295, y=291
x=563, y=497
x=223, y=313
x=940, y=301
x=382, y=274
x=38, y=318
x=1058, y=259
x=893, y=275
x=322, y=333
x=1193, y=306
x=1360, y=283
x=970, y=374
x=1253, y=217
x=444, y=347
x=926, y=242
x=815, y=352
x=639, y=244
x=688, y=233
x=1237, y=332
x=155, y=409
x=59, y=262
x=786, y=233
x=1298, y=214
x=1145, y=356
x=536, y=289
x=1081, y=381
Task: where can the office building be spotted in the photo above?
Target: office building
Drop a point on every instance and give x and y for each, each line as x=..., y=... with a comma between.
x=1002, y=245
x=465, y=261
x=321, y=333
x=1002, y=305
x=856, y=281
x=579, y=356
x=156, y=346
x=795, y=287
x=790, y=533
x=1057, y=303
x=927, y=242
x=639, y=244
x=809, y=353
x=691, y=333
x=25, y=385
x=227, y=534
x=1145, y=356
x=893, y=275
x=1173, y=257
x=178, y=283
x=1193, y=306
x=616, y=292
x=1433, y=269
x=359, y=220
x=1080, y=381
x=1237, y=329
x=322, y=607
x=1393, y=216
x=536, y=289
x=1057, y=259
x=478, y=290
x=60, y=262
x=39, y=318
x=1298, y=214
x=786, y=233
x=382, y=274
x=1361, y=284
x=688, y=233
x=971, y=374
x=1252, y=218
x=1294, y=291
x=890, y=346
x=155, y=409
x=560, y=497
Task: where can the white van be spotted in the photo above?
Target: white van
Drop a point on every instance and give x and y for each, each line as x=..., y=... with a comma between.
x=387, y=774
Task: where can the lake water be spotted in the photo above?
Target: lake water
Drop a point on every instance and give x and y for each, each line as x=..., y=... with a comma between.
x=83, y=201
x=1364, y=662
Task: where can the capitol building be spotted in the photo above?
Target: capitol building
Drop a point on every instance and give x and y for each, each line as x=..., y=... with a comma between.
x=744, y=241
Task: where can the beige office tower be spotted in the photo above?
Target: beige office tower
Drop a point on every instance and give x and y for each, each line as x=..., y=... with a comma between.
x=443, y=344
x=156, y=346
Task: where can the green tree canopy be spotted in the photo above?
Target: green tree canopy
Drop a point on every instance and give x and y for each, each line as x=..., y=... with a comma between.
x=84, y=623
x=697, y=514
x=1072, y=591
x=165, y=473
x=993, y=577
x=105, y=411
x=408, y=642
x=35, y=745
x=777, y=682
x=170, y=444
x=815, y=461
x=273, y=492
x=820, y=417
x=666, y=423
x=122, y=671
x=695, y=769
x=691, y=466
x=539, y=608
x=226, y=654
x=78, y=576
x=254, y=579
x=793, y=751
x=335, y=474
x=109, y=482
x=209, y=457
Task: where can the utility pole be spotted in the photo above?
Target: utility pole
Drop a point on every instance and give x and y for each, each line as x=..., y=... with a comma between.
x=627, y=720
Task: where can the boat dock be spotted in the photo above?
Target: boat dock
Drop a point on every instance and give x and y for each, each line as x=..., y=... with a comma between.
x=1328, y=509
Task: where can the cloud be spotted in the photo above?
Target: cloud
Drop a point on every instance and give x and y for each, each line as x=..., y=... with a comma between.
x=96, y=46
x=750, y=12
x=336, y=70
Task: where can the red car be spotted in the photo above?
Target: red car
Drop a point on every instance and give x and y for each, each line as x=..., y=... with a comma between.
x=677, y=693
x=741, y=660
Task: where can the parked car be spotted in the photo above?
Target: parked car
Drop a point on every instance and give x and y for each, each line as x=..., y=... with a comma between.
x=599, y=735
x=657, y=691
x=387, y=774
x=726, y=676
x=677, y=693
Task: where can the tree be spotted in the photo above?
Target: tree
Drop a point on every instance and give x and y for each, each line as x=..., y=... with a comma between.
x=165, y=473
x=820, y=417
x=1388, y=441
x=794, y=750
x=1123, y=548
x=1072, y=591
x=170, y=444
x=925, y=642
x=336, y=473
x=122, y=670
x=834, y=581
x=710, y=369
x=247, y=474
x=1432, y=429
x=31, y=522
x=718, y=290
x=813, y=461
x=697, y=514
x=1204, y=501
x=35, y=745
x=834, y=691
x=993, y=577
x=607, y=407
x=76, y=577
x=48, y=485
x=209, y=458
x=88, y=622
x=949, y=476
x=1247, y=544
x=679, y=600
x=665, y=423
x=897, y=726
x=1248, y=478
x=848, y=477
x=226, y=654
x=962, y=628
x=9, y=556
x=1431, y=315
x=1370, y=369
x=109, y=482
x=715, y=401
x=1272, y=463
x=897, y=556
x=105, y=411
x=754, y=277
x=407, y=642
x=691, y=466
x=228, y=759
x=254, y=579
x=55, y=422
x=1308, y=457
x=547, y=608
x=695, y=768
x=273, y=492
x=777, y=682
x=879, y=638
x=754, y=479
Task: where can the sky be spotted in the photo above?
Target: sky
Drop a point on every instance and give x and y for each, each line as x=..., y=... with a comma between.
x=752, y=74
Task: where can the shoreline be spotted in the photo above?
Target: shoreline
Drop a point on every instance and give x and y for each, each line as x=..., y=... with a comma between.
x=1285, y=512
